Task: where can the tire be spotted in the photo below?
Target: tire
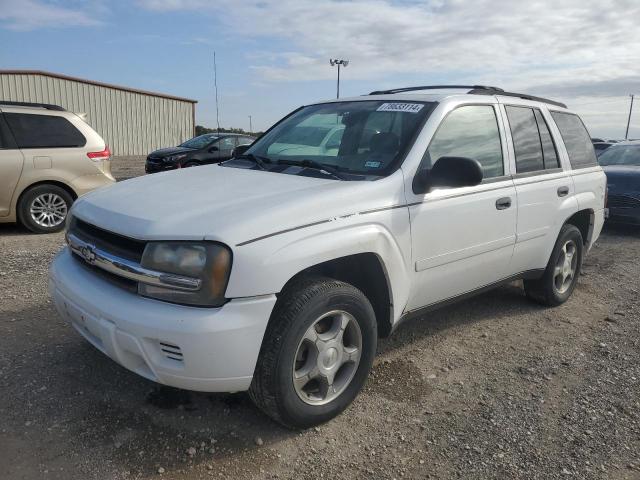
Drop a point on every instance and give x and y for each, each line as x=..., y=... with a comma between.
x=550, y=289
x=191, y=164
x=44, y=208
x=321, y=303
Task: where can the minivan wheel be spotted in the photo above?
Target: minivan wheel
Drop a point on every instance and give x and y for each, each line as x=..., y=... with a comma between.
x=44, y=208
x=562, y=272
x=316, y=354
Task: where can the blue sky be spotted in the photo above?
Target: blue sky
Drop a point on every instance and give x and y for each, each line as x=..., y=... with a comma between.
x=273, y=55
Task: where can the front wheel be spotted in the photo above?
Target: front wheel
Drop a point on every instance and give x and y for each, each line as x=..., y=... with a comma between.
x=316, y=354
x=562, y=272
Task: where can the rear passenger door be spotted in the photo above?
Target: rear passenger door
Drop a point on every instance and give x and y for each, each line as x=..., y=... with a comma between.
x=543, y=188
x=11, y=162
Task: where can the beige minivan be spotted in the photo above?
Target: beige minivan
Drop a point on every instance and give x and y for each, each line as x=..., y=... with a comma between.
x=48, y=158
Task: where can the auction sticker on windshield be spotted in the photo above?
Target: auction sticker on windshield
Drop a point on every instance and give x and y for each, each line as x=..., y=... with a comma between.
x=400, y=107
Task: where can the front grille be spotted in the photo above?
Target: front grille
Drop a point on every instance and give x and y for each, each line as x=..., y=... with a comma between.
x=110, y=242
x=117, y=280
x=622, y=201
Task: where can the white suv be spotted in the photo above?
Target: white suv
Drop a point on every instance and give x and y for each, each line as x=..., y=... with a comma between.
x=277, y=271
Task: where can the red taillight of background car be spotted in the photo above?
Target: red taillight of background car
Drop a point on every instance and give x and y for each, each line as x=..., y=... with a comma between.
x=102, y=155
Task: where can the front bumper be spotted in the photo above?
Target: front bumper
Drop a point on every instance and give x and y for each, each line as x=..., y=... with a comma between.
x=159, y=166
x=204, y=349
x=629, y=216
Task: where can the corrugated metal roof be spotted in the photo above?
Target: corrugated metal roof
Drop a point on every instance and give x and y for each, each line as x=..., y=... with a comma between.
x=93, y=82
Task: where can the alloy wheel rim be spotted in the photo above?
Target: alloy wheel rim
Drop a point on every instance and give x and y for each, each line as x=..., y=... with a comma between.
x=48, y=210
x=565, y=269
x=327, y=357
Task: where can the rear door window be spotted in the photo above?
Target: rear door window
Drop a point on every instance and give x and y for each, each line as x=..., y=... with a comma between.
x=526, y=139
x=44, y=131
x=576, y=139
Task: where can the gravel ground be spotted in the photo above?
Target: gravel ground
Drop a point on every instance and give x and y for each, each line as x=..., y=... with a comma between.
x=494, y=387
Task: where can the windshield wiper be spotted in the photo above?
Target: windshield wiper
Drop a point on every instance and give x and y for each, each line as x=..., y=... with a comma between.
x=258, y=160
x=316, y=166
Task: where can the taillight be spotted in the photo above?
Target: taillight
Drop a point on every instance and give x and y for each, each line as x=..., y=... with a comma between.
x=102, y=155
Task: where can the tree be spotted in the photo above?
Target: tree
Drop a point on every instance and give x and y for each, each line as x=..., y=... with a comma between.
x=200, y=130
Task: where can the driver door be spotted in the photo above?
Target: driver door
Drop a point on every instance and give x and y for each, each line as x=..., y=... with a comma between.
x=226, y=146
x=463, y=238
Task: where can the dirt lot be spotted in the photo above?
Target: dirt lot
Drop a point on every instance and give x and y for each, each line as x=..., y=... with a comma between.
x=495, y=387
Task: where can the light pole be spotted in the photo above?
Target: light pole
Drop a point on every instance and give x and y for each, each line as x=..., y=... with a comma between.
x=626, y=135
x=339, y=63
x=250, y=126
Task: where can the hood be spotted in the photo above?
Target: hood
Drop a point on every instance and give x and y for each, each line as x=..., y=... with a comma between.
x=623, y=178
x=164, y=152
x=226, y=204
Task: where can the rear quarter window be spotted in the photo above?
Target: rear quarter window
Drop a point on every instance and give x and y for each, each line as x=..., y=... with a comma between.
x=6, y=138
x=576, y=139
x=44, y=131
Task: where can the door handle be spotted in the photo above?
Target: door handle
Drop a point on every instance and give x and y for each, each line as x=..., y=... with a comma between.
x=563, y=191
x=503, y=203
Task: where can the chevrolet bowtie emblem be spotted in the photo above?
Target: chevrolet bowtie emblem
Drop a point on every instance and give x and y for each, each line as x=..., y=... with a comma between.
x=88, y=254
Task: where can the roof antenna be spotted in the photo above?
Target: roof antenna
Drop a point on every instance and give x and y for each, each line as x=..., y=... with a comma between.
x=215, y=83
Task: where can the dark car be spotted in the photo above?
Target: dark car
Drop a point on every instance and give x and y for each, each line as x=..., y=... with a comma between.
x=200, y=150
x=621, y=163
x=601, y=146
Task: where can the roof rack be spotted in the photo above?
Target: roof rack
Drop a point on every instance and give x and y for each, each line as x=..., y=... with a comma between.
x=473, y=90
x=433, y=87
x=46, y=106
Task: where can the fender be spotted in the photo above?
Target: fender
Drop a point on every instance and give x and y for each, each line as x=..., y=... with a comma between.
x=266, y=266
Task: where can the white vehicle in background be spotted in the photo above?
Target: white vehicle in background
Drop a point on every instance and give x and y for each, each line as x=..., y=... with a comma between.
x=277, y=272
x=48, y=158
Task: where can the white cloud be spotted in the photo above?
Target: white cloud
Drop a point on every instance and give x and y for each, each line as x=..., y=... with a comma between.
x=569, y=49
x=548, y=41
x=25, y=15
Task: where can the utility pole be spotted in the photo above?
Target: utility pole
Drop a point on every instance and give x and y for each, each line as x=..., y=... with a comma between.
x=339, y=63
x=215, y=83
x=250, y=125
x=626, y=135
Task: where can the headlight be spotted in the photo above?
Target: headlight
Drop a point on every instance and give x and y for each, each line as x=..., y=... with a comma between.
x=205, y=261
x=174, y=158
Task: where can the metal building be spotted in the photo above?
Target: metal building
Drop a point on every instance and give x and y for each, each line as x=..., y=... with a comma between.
x=132, y=122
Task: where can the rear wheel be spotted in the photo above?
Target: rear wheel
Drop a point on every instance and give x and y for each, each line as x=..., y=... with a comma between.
x=316, y=354
x=562, y=272
x=44, y=208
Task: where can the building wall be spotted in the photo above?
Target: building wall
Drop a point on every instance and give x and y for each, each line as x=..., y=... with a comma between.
x=131, y=123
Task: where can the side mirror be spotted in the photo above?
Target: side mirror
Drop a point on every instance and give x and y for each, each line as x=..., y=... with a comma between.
x=213, y=149
x=448, y=172
x=239, y=150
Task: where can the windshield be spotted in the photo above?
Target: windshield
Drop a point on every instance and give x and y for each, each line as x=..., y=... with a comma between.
x=360, y=138
x=199, y=142
x=621, y=155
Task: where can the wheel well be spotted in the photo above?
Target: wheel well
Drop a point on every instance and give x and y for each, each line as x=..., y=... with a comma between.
x=365, y=272
x=64, y=186
x=583, y=220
